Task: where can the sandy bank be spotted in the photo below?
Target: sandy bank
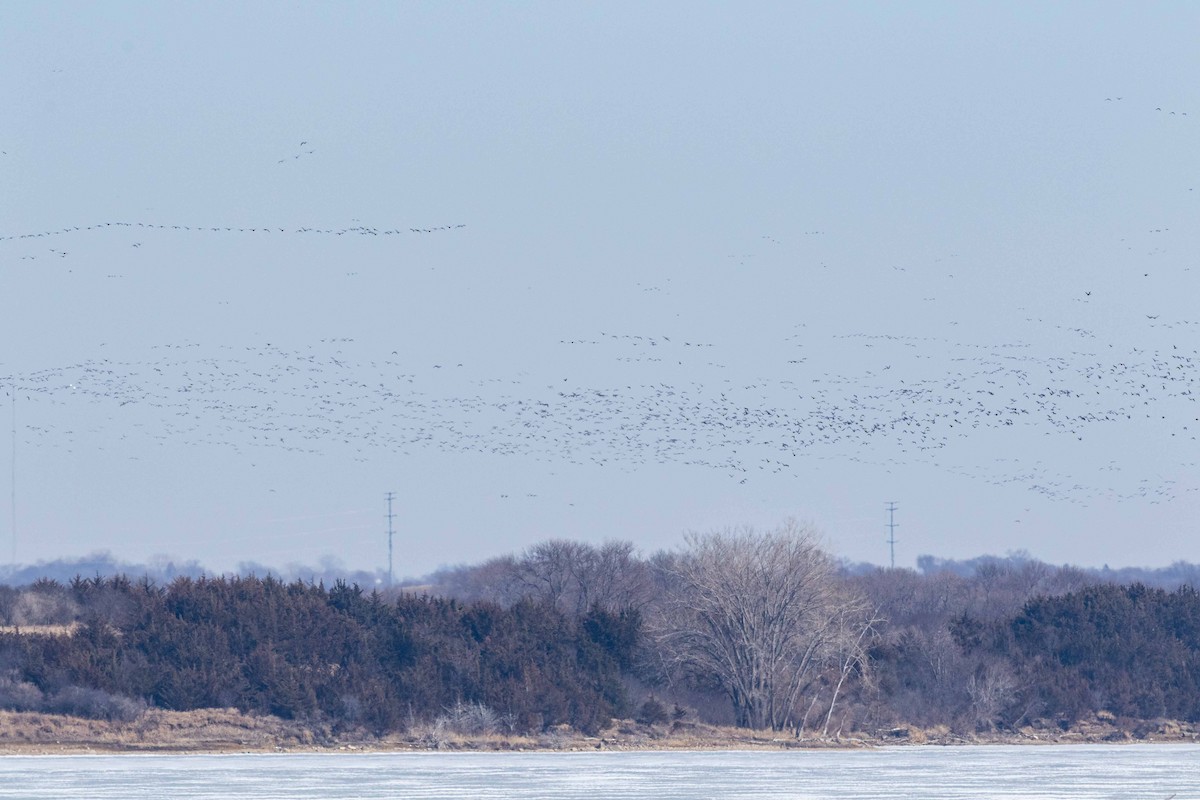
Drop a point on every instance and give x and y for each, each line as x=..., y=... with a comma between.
x=230, y=731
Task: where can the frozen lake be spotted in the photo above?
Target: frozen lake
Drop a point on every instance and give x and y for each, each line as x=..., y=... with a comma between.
x=1153, y=772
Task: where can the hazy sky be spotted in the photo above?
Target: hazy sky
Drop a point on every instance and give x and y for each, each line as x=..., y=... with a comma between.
x=675, y=266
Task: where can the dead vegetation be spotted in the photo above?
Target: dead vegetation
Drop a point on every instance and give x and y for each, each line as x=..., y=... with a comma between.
x=209, y=730
x=228, y=730
x=41, y=630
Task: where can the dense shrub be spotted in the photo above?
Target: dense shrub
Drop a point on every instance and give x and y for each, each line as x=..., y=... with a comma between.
x=302, y=652
x=94, y=704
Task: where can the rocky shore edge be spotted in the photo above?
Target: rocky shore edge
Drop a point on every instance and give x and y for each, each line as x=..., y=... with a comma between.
x=231, y=731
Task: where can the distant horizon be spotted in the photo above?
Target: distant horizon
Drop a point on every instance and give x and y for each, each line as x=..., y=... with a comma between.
x=330, y=567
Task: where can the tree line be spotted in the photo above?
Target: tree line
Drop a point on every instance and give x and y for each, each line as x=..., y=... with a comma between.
x=756, y=629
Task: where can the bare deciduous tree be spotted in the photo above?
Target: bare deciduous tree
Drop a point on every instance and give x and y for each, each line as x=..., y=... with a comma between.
x=548, y=571
x=612, y=578
x=573, y=576
x=759, y=615
x=576, y=577
x=991, y=688
x=851, y=632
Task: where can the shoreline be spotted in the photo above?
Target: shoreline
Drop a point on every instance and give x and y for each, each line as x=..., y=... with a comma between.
x=228, y=731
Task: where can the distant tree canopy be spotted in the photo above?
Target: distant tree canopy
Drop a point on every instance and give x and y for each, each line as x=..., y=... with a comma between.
x=757, y=629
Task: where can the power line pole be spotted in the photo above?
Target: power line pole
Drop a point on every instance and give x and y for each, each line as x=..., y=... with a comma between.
x=891, y=526
x=390, y=517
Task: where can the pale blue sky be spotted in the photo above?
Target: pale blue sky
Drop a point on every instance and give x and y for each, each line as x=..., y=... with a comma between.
x=872, y=216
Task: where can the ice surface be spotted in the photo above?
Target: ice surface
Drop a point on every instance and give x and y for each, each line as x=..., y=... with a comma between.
x=1154, y=772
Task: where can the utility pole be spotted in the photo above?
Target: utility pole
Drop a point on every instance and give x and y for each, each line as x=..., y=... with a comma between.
x=390, y=517
x=891, y=526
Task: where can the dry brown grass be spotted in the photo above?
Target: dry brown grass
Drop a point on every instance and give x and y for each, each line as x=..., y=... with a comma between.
x=155, y=730
x=228, y=730
x=41, y=630
x=620, y=735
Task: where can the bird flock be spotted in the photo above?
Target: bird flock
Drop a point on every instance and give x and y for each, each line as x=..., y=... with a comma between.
x=931, y=400
x=896, y=400
x=352, y=230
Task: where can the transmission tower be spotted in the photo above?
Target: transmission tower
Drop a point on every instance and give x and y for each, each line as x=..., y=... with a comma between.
x=891, y=526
